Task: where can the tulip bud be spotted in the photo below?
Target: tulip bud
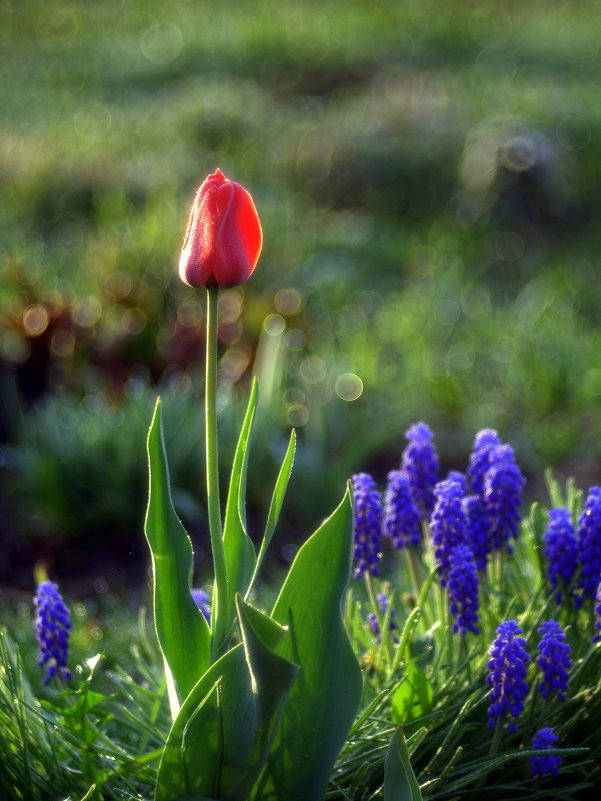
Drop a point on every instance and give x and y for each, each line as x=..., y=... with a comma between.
x=223, y=239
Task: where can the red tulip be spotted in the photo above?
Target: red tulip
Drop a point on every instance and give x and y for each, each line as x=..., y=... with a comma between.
x=223, y=239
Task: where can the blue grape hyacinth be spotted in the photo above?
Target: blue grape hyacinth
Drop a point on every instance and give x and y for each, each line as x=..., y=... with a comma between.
x=420, y=463
x=507, y=677
x=478, y=465
x=503, y=483
x=401, y=518
x=372, y=618
x=554, y=660
x=368, y=524
x=560, y=551
x=204, y=603
x=448, y=525
x=539, y=765
x=462, y=585
x=52, y=625
x=589, y=545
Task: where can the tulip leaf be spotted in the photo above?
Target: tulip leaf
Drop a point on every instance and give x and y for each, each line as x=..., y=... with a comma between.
x=220, y=740
x=413, y=698
x=400, y=783
x=323, y=701
x=276, y=501
x=182, y=630
x=239, y=550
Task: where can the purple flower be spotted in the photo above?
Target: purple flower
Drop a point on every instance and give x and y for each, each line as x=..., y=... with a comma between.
x=554, y=660
x=543, y=740
x=368, y=524
x=203, y=602
x=560, y=551
x=52, y=624
x=401, y=518
x=478, y=528
x=589, y=545
x=420, y=463
x=597, y=637
x=503, y=484
x=507, y=676
x=448, y=525
x=459, y=478
x=373, y=618
x=463, y=587
x=484, y=441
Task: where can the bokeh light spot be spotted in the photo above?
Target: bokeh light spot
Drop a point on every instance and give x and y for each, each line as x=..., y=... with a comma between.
x=288, y=301
x=274, y=325
x=447, y=312
x=35, y=320
x=63, y=343
x=162, y=43
x=349, y=387
x=313, y=369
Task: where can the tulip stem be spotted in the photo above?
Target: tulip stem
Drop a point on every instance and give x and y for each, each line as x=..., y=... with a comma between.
x=212, y=464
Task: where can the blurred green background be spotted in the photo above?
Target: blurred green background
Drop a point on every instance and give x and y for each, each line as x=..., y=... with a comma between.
x=427, y=176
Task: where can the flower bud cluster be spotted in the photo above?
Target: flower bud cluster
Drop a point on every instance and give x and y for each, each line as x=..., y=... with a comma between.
x=401, y=518
x=589, y=545
x=448, y=525
x=554, y=660
x=502, y=495
x=52, y=625
x=368, y=524
x=560, y=551
x=507, y=677
x=463, y=588
x=495, y=486
x=420, y=463
x=544, y=739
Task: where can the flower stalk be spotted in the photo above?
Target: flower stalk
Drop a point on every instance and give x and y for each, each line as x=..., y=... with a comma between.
x=212, y=468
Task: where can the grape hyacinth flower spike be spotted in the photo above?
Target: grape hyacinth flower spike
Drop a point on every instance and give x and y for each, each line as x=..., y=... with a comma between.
x=589, y=545
x=478, y=465
x=463, y=587
x=401, y=518
x=420, y=463
x=503, y=483
x=554, y=660
x=52, y=624
x=507, y=677
x=560, y=551
x=539, y=765
x=448, y=526
x=368, y=524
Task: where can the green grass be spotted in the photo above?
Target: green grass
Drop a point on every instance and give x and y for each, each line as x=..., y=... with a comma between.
x=103, y=737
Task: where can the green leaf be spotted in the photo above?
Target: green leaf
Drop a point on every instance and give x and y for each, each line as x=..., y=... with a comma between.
x=413, y=698
x=219, y=742
x=322, y=704
x=239, y=550
x=182, y=630
x=400, y=783
x=276, y=501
